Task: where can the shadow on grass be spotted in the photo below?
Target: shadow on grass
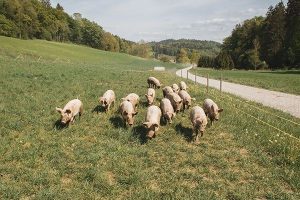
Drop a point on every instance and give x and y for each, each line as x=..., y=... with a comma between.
x=117, y=121
x=59, y=126
x=98, y=109
x=186, y=132
x=140, y=133
x=163, y=121
x=144, y=104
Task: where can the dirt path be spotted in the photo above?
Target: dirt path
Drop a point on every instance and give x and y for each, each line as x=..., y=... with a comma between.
x=285, y=102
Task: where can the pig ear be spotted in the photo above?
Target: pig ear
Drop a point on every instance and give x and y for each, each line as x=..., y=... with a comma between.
x=58, y=110
x=123, y=99
x=68, y=111
x=135, y=113
x=146, y=124
x=146, y=95
x=156, y=125
x=125, y=113
x=220, y=110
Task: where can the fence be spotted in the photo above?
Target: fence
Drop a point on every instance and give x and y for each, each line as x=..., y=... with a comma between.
x=226, y=98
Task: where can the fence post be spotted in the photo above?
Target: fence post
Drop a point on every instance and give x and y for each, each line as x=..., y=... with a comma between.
x=221, y=81
x=207, y=83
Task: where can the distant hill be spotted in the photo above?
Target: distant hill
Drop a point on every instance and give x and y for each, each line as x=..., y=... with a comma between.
x=171, y=47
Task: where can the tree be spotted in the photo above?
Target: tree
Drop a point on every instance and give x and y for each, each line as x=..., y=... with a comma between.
x=194, y=58
x=46, y=3
x=141, y=50
x=206, y=61
x=273, y=36
x=292, y=42
x=182, y=57
x=224, y=61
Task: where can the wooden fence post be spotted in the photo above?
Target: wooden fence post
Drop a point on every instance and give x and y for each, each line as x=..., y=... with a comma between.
x=207, y=83
x=221, y=82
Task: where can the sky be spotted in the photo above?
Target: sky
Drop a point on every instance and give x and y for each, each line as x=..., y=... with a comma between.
x=156, y=20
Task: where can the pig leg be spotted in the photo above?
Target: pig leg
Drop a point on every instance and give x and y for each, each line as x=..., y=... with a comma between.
x=80, y=111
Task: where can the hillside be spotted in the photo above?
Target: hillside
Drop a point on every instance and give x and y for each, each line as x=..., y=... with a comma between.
x=97, y=158
x=171, y=47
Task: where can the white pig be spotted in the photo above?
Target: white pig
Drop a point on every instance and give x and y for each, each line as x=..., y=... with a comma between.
x=182, y=85
x=186, y=99
x=127, y=112
x=153, y=83
x=199, y=121
x=107, y=99
x=167, y=90
x=212, y=110
x=150, y=96
x=71, y=109
x=167, y=110
x=176, y=101
x=152, y=121
x=175, y=88
x=132, y=98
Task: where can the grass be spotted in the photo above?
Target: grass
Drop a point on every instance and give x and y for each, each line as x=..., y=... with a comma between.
x=287, y=81
x=96, y=158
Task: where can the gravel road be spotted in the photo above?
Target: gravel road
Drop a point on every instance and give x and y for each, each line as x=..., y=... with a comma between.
x=285, y=102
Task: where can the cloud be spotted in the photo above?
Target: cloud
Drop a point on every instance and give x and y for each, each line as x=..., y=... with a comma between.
x=162, y=19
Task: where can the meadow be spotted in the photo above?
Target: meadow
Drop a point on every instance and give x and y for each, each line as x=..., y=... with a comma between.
x=287, y=81
x=97, y=158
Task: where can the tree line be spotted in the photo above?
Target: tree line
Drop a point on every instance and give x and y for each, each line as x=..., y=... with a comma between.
x=262, y=42
x=37, y=19
x=184, y=50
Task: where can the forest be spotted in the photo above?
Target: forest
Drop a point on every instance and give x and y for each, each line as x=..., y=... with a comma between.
x=270, y=42
x=37, y=19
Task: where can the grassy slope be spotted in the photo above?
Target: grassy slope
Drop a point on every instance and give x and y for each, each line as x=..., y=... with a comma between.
x=280, y=80
x=237, y=158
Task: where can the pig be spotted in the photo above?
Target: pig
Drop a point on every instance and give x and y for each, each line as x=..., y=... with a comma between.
x=175, y=88
x=107, y=99
x=186, y=99
x=211, y=110
x=153, y=83
x=176, y=101
x=127, y=111
x=152, y=121
x=132, y=98
x=167, y=90
x=150, y=96
x=199, y=121
x=182, y=85
x=167, y=110
x=71, y=109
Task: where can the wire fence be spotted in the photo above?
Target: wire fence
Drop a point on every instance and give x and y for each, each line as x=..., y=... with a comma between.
x=226, y=98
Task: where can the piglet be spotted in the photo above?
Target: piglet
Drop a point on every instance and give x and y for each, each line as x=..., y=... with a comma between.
x=71, y=109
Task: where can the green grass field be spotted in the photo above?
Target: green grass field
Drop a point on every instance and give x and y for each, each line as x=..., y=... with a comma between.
x=96, y=158
x=287, y=81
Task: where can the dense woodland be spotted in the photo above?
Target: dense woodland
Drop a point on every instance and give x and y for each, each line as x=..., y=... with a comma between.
x=260, y=43
x=192, y=48
x=37, y=19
